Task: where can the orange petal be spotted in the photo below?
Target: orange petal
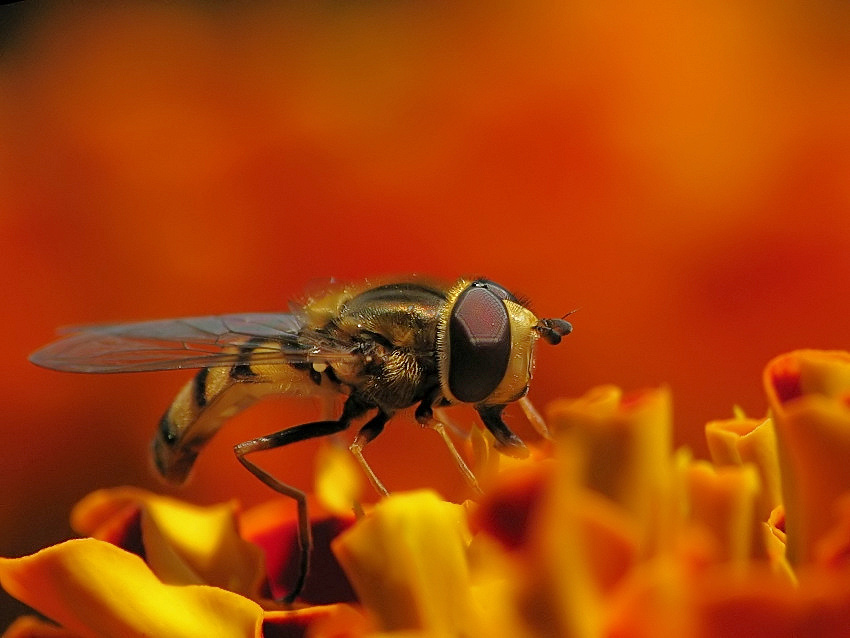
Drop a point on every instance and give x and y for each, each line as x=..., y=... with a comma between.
x=508, y=507
x=323, y=621
x=575, y=550
x=763, y=605
x=272, y=527
x=654, y=601
x=93, y=588
x=32, y=627
x=832, y=550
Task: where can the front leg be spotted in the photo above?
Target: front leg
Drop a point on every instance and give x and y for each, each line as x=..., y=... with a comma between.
x=425, y=410
x=425, y=417
x=506, y=441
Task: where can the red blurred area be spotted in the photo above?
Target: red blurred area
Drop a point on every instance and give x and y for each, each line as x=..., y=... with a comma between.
x=680, y=175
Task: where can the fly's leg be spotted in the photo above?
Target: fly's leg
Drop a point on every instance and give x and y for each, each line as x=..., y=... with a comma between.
x=425, y=416
x=506, y=441
x=368, y=432
x=440, y=429
x=534, y=417
x=352, y=409
x=291, y=435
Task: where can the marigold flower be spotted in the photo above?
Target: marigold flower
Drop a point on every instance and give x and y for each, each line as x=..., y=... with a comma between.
x=604, y=532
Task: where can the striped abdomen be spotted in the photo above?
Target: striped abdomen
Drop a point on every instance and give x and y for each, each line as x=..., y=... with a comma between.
x=215, y=395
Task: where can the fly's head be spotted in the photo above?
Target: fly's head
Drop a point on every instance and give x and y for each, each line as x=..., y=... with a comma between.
x=485, y=343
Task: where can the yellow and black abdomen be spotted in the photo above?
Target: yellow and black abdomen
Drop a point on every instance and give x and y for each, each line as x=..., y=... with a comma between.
x=215, y=395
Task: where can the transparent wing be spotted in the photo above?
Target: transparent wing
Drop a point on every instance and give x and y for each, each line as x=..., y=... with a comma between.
x=192, y=342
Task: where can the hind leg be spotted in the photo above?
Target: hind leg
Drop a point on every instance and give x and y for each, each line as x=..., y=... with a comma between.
x=351, y=410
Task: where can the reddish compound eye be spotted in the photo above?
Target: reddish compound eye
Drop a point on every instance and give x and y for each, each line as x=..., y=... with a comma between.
x=495, y=288
x=479, y=342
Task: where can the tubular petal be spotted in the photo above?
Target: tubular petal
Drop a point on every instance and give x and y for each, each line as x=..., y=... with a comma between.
x=93, y=588
x=722, y=500
x=742, y=440
x=791, y=375
x=626, y=442
x=813, y=435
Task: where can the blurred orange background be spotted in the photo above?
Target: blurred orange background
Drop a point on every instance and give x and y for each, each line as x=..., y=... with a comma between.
x=680, y=175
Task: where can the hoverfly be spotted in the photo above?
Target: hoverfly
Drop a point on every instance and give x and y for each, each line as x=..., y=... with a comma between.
x=384, y=346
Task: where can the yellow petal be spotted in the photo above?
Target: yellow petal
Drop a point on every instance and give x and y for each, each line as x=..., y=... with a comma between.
x=808, y=391
x=742, y=440
x=99, y=509
x=791, y=375
x=722, y=500
x=339, y=481
x=184, y=544
x=407, y=562
x=203, y=539
x=563, y=595
x=775, y=540
x=626, y=442
x=93, y=588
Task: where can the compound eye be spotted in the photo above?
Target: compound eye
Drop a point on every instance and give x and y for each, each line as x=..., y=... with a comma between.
x=479, y=342
x=495, y=288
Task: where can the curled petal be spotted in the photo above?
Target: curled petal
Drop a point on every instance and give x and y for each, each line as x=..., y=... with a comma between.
x=775, y=541
x=808, y=391
x=182, y=543
x=802, y=372
x=582, y=545
x=742, y=440
x=407, y=562
x=654, y=601
x=517, y=509
x=93, y=588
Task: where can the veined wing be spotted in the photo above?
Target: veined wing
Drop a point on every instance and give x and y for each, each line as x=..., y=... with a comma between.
x=192, y=342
